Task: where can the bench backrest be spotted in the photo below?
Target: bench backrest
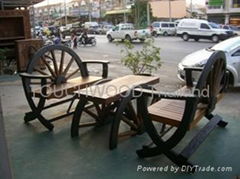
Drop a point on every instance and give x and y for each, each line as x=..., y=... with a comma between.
x=212, y=80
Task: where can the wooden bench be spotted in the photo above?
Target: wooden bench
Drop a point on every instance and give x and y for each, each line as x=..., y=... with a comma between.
x=182, y=110
x=60, y=74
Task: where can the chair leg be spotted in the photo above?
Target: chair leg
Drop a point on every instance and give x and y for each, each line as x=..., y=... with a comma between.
x=116, y=122
x=221, y=123
x=146, y=152
x=77, y=116
x=174, y=157
x=29, y=116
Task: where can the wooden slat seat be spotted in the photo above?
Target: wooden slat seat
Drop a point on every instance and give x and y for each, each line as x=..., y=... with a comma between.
x=171, y=111
x=60, y=91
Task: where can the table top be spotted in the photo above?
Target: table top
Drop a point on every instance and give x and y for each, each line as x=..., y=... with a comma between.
x=111, y=91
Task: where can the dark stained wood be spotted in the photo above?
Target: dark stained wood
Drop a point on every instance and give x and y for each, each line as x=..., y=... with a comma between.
x=200, y=137
x=184, y=111
x=112, y=91
x=171, y=112
x=60, y=91
x=15, y=24
x=25, y=49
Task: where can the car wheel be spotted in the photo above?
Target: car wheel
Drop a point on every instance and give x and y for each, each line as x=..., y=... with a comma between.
x=110, y=39
x=185, y=37
x=165, y=34
x=94, y=42
x=230, y=80
x=215, y=38
x=128, y=38
x=154, y=33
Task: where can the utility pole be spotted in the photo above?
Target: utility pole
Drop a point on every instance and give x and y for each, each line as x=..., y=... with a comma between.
x=124, y=13
x=90, y=10
x=33, y=21
x=148, y=14
x=48, y=11
x=65, y=12
x=170, y=10
x=191, y=6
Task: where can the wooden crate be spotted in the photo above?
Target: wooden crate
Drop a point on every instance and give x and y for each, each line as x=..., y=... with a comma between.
x=25, y=49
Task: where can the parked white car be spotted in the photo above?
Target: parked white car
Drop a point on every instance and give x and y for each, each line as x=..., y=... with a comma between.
x=231, y=47
x=127, y=32
x=201, y=29
x=164, y=28
x=235, y=29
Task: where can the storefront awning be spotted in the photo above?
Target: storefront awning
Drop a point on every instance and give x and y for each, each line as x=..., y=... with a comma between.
x=120, y=11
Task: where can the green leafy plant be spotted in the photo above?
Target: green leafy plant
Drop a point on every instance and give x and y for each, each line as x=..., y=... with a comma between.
x=3, y=57
x=3, y=54
x=141, y=61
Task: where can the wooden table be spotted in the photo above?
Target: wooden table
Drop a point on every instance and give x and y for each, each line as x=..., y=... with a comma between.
x=110, y=98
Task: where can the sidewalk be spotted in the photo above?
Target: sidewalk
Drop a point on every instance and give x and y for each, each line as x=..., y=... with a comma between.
x=38, y=153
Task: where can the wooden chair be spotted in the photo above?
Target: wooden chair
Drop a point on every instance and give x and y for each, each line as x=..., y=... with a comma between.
x=183, y=109
x=54, y=73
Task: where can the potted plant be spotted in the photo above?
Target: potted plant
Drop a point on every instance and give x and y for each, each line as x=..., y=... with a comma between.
x=4, y=67
x=2, y=59
x=143, y=61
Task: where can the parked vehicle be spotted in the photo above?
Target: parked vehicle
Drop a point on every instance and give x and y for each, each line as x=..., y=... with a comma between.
x=235, y=29
x=127, y=32
x=63, y=28
x=85, y=40
x=164, y=28
x=66, y=42
x=105, y=29
x=201, y=29
x=231, y=47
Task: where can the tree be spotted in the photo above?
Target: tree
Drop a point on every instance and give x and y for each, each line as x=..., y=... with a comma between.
x=139, y=13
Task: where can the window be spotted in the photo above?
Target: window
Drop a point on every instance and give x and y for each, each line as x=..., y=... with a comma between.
x=116, y=28
x=236, y=54
x=225, y=27
x=171, y=25
x=204, y=26
x=156, y=25
x=164, y=25
x=236, y=3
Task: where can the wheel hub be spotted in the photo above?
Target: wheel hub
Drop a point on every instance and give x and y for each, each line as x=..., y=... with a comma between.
x=60, y=80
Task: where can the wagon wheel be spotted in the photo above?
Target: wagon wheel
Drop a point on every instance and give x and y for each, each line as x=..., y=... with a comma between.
x=215, y=83
x=59, y=64
x=127, y=122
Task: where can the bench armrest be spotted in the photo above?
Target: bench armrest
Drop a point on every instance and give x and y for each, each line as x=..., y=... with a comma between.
x=104, y=65
x=157, y=94
x=188, y=74
x=32, y=76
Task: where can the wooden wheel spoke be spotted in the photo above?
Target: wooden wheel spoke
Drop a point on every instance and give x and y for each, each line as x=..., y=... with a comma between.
x=73, y=73
x=49, y=67
x=38, y=82
x=40, y=71
x=68, y=66
x=54, y=62
x=61, y=62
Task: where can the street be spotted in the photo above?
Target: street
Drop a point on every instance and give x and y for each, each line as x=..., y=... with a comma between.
x=173, y=49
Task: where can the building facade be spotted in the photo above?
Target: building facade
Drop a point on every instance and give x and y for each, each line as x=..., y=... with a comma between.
x=224, y=11
x=165, y=10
